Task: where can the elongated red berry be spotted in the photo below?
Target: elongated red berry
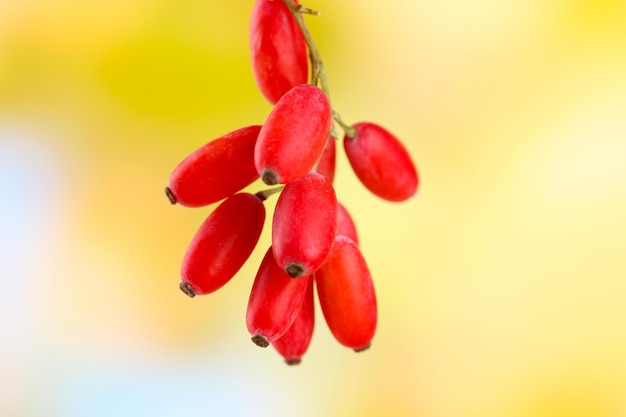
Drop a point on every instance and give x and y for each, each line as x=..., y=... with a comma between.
x=222, y=244
x=328, y=160
x=293, y=136
x=345, y=224
x=346, y=295
x=304, y=224
x=216, y=170
x=275, y=300
x=278, y=50
x=381, y=162
x=294, y=343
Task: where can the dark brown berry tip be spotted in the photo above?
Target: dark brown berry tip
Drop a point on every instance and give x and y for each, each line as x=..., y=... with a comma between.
x=187, y=289
x=260, y=340
x=294, y=361
x=361, y=349
x=295, y=270
x=170, y=195
x=270, y=177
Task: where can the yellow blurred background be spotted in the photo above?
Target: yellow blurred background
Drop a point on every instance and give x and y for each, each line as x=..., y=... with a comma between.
x=501, y=285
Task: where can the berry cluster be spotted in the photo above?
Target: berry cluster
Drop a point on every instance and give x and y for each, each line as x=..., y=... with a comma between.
x=314, y=240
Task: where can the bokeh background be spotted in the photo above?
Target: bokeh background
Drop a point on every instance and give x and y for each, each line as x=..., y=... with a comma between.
x=501, y=285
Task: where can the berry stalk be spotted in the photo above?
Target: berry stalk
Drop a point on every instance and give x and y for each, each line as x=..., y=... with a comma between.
x=318, y=72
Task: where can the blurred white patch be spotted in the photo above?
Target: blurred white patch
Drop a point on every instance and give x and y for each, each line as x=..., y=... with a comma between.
x=173, y=389
x=31, y=227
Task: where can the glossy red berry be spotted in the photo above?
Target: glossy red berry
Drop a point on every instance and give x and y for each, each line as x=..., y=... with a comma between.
x=381, y=162
x=222, y=244
x=294, y=135
x=216, y=170
x=294, y=343
x=275, y=300
x=346, y=295
x=345, y=224
x=328, y=160
x=278, y=49
x=304, y=224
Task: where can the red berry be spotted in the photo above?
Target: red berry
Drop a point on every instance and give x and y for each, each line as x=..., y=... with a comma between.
x=294, y=343
x=346, y=294
x=274, y=303
x=294, y=135
x=381, y=162
x=327, y=162
x=216, y=170
x=345, y=225
x=304, y=224
x=222, y=244
x=278, y=49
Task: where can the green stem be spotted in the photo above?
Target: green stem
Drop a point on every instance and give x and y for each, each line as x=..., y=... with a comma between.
x=350, y=131
x=318, y=72
x=264, y=194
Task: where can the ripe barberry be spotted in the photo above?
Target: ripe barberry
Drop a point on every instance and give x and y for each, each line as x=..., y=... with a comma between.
x=328, y=161
x=294, y=343
x=216, y=170
x=293, y=135
x=278, y=49
x=345, y=224
x=304, y=224
x=381, y=162
x=222, y=244
x=275, y=300
x=346, y=294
